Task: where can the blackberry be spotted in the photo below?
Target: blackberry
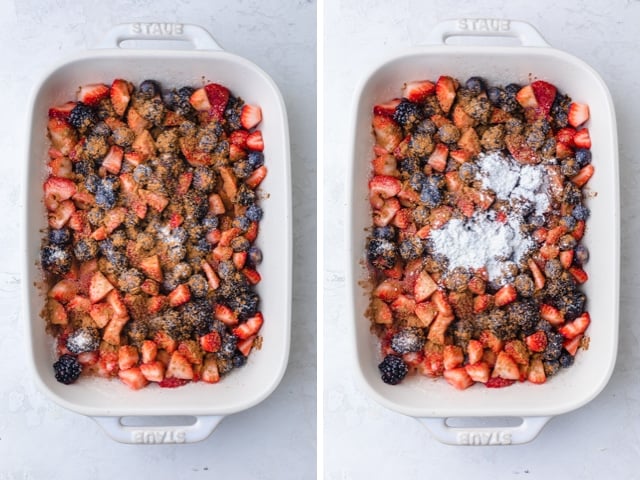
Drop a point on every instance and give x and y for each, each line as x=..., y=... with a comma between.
x=113, y=255
x=238, y=360
x=544, y=326
x=198, y=286
x=388, y=232
x=566, y=360
x=56, y=259
x=571, y=194
x=148, y=89
x=381, y=253
x=554, y=346
x=245, y=196
x=254, y=255
x=255, y=159
x=569, y=167
x=254, y=213
x=475, y=85
x=202, y=245
x=569, y=222
x=559, y=111
x=580, y=212
x=67, y=369
x=83, y=117
x=83, y=339
x=105, y=194
x=411, y=248
x=408, y=340
x=583, y=157
x=572, y=304
x=408, y=114
x=393, y=369
x=244, y=304
x=85, y=249
x=195, y=205
x=59, y=236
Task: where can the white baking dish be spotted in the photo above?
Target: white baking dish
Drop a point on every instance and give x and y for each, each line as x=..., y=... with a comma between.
x=434, y=401
x=109, y=400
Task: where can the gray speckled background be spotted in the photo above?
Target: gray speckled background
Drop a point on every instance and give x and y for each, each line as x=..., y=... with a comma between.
x=277, y=438
x=363, y=440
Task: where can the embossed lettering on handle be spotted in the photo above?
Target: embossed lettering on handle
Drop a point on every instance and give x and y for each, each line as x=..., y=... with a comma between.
x=154, y=29
x=158, y=436
x=483, y=438
x=484, y=24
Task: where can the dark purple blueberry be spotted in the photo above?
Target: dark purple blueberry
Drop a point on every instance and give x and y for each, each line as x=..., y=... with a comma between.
x=475, y=85
x=581, y=255
x=83, y=116
x=210, y=221
x=241, y=222
x=566, y=360
x=430, y=195
x=228, y=344
x=411, y=248
x=85, y=249
x=149, y=89
x=408, y=114
x=381, y=253
x=245, y=196
x=417, y=181
x=255, y=159
x=583, y=157
x=255, y=255
x=56, y=259
x=580, y=212
x=239, y=360
x=495, y=95
x=60, y=236
x=254, y=213
x=388, y=232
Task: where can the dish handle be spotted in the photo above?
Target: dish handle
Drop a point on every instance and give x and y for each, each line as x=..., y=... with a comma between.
x=486, y=27
x=180, y=32
x=153, y=434
x=494, y=435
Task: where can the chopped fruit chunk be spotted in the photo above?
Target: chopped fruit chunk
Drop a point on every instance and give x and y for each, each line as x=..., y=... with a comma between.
x=506, y=367
x=458, y=378
x=445, y=92
x=133, y=378
x=120, y=94
x=99, y=287
x=419, y=90
x=92, y=94
x=251, y=116
x=578, y=114
x=179, y=367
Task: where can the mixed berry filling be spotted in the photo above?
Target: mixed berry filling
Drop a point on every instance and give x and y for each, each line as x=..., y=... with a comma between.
x=153, y=213
x=478, y=212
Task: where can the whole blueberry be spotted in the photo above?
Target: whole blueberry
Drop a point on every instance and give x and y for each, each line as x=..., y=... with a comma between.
x=255, y=255
x=583, y=157
x=60, y=236
x=254, y=213
x=255, y=159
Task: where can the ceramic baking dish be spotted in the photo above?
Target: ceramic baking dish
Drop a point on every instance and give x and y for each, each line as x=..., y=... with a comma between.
x=205, y=61
x=434, y=401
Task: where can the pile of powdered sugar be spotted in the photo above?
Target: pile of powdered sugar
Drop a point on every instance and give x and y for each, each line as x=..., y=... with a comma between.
x=484, y=241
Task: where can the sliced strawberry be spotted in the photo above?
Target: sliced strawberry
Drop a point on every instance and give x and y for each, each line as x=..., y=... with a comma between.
x=566, y=136
x=385, y=165
x=388, y=290
x=62, y=111
x=426, y=313
x=113, y=161
x=536, y=373
x=551, y=314
x=63, y=136
x=210, y=372
x=458, y=378
x=490, y=341
x=133, y=378
x=583, y=176
x=250, y=116
x=424, y=286
x=438, y=329
x=418, y=91
x=576, y=327
x=538, y=277
x=155, y=200
x=113, y=218
x=200, y=101
x=210, y=342
x=505, y=295
x=191, y=350
x=128, y=357
x=148, y=351
x=56, y=312
x=498, y=382
x=578, y=114
x=61, y=167
x=572, y=345
x=403, y=305
x=387, y=108
x=144, y=145
x=475, y=350
x=470, y=142
x=179, y=367
x=225, y=315
x=137, y=122
x=566, y=258
x=506, y=367
x=252, y=275
x=387, y=132
x=478, y=371
x=153, y=371
x=521, y=151
x=150, y=266
x=537, y=341
x=255, y=141
x=382, y=187
x=99, y=287
x=180, y=295
x=482, y=302
x=93, y=93
x=79, y=304
x=101, y=314
x=462, y=119
x=579, y=274
x=111, y=333
x=446, y=92
x=452, y=356
x=582, y=139
x=120, y=94
x=218, y=96
x=165, y=342
x=88, y=359
x=172, y=382
x=545, y=94
x=518, y=351
x=115, y=301
x=250, y=327
x=438, y=158
x=239, y=138
x=526, y=97
x=63, y=291
x=245, y=346
x=56, y=190
x=442, y=304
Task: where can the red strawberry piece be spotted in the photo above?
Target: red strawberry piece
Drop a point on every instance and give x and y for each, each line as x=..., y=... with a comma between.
x=256, y=177
x=452, y=356
x=148, y=351
x=255, y=141
x=225, y=315
x=538, y=277
x=498, y=115
x=165, y=342
x=221, y=253
x=153, y=371
x=506, y=367
x=551, y=314
x=250, y=327
x=179, y=296
x=505, y=295
x=172, y=382
x=239, y=259
x=442, y=304
x=145, y=145
x=518, y=351
x=101, y=314
x=490, y=341
x=113, y=161
x=107, y=363
x=566, y=136
x=184, y=182
x=498, y=382
x=438, y=328
x=578, y=114
x=387, y=132
x=519, y=149
x=383, y=216
x=381, y=312
x=218, y=96
x=155, y=200
x=462, y=119
x=150, y=266
x=578, y=274
x=252, y=276
x=210, y=342
x=87, y=359
x=482, y=302
x=136, y=122
x=537, y=341
x=458, y=378
x=212, y=276
x=432, y=365
x=200, y=100
x=250, y=116
x=475, y=350
x=172, y=119
x=112, y=331
x=63, y=291
x=445, y=92
x=79, y=304
x=576, y=327
x=545, y=94
x=426, y=313
x=133, y=378
x=114, y=299
x=583, y=176
x=93, y=93
x=563, y=150
x=582, y=139
x=245, y=346
x=424, y=286
x=191, y=350
x=62, y=111
x=385, y=165
x=56, y=190
x=150, y=287
x=403, y=305
x=210, y=373
x=387, y=108
x=127, y=357
x=572, y=345
x=382, y=187
x=56, y=312
x=63, y=136
x=438, y=158
x=413, y=359
x=478, y=371
x=99, y=287
x=388, y=290
x=239, y=138
x=113, y=218
x=566, y=258
x=526, y=97
x=179, y=367
x=418, y=91
x=120, y=94
x=61, y=167
x=536, y=374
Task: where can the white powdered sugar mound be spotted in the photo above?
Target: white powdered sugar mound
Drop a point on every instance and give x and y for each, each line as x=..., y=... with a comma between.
x=483, y=240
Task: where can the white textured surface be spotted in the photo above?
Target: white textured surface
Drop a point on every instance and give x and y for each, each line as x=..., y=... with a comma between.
x=277, y=438
x=363, y=440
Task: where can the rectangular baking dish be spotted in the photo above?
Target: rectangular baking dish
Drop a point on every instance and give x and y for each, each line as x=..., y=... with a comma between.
x=207, y=62
x=434, y=400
